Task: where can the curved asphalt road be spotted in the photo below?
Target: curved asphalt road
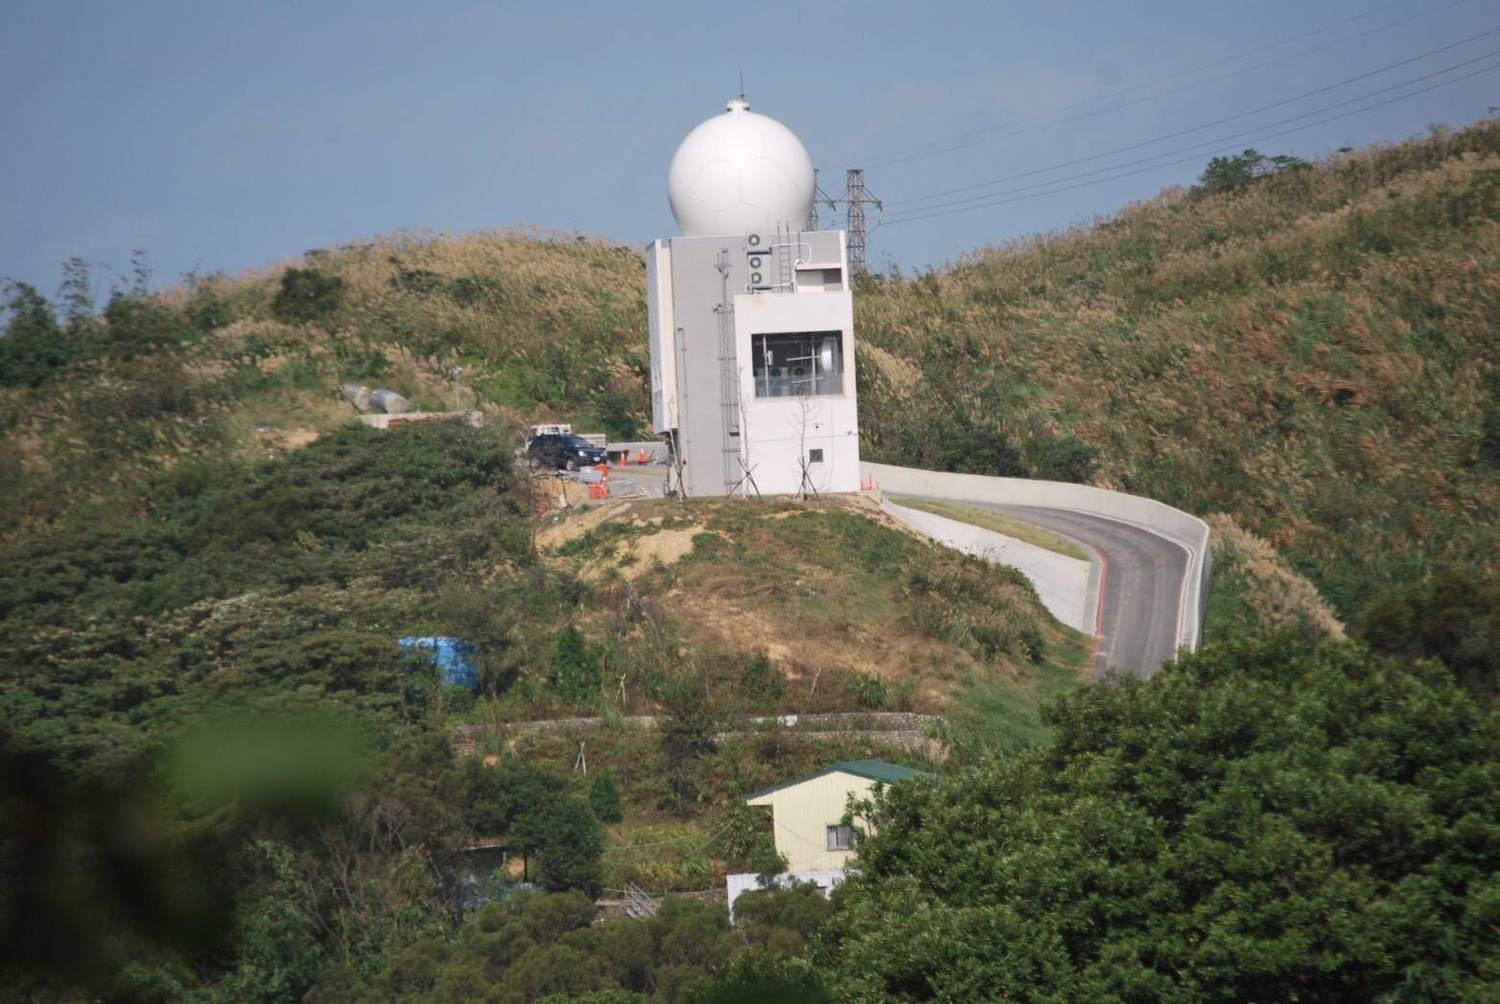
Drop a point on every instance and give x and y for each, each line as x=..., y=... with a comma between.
x=1140, y=586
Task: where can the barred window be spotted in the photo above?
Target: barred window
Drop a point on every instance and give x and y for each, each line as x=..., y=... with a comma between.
x=840, y=838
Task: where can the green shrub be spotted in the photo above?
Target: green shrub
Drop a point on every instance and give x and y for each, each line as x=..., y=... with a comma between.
x=307, y=295
x=760, y=683
x=575, y=667
x=604, y=796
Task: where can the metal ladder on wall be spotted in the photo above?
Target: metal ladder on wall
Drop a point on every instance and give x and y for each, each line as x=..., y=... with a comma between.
x=786, y=262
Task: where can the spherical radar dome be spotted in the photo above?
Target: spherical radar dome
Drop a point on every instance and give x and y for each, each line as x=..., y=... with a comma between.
x=740, y=172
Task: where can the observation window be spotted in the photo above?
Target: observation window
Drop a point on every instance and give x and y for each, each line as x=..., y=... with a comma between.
x=840, y=838
x=798, y=364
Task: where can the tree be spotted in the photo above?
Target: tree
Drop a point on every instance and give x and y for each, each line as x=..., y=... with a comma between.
x=542, y=816
x=687, y=736
x=781, y=919
x=604, y=796
x=34, y=346
x=137, y=325
x=1448, y=617
x=1257, y=822
x=1225, y=174
x=760, y=683
x=307, y=295
x=76, y=293
x=570, y=843
x=546, y=917
x=575, y=667
x=756, y=977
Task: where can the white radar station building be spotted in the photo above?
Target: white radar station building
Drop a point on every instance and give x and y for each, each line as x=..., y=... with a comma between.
x=752, y=319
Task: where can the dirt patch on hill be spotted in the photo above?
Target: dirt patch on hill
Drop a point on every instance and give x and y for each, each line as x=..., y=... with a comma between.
x=660, y=549
x=563, y=527
x=293, y=439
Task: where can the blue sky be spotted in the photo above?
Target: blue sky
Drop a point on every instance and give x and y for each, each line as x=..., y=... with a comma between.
x=219, y=136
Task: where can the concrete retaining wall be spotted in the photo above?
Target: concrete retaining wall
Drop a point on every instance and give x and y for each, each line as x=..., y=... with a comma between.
x=1173, y=524
x=1061, y=582
x=655, y=450
x=474, y=418
x=736, y=884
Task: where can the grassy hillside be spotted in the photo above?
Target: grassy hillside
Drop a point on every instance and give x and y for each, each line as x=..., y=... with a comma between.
x=251, y=365
x=231, y=784
x=1312, y=352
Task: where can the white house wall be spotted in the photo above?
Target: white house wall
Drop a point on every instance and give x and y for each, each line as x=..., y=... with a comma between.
x=779, y=431
x=803, y=813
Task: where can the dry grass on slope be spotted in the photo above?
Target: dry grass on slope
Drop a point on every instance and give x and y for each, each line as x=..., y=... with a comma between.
x=1314, y=354
x=547, y=327
x=1256, y=590
x=853, y=611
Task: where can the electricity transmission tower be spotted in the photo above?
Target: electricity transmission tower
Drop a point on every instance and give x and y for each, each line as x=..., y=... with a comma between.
x=818, y=196
x=855, y=198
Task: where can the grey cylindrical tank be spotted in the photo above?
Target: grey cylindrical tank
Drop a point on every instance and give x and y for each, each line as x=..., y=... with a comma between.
x=388, y=401
x=356, y=395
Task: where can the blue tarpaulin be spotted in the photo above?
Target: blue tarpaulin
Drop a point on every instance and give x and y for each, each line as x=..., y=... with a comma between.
x=453, y=657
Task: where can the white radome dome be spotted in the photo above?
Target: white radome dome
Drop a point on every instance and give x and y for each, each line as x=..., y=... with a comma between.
x=739, y=172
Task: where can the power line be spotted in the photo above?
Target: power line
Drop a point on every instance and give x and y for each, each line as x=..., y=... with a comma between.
x=952, y=147
x=992, y=133
x=916, y=217
x=1235, y=138
x=1197, y=128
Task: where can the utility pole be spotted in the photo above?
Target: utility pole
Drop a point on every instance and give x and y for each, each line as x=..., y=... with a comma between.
x=855, y=197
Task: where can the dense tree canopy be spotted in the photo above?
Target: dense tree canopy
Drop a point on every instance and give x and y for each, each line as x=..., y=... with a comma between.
x=1449, y=617
x=1259, y=822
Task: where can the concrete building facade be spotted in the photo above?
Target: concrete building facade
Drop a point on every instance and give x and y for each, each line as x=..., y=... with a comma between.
x=752, y=362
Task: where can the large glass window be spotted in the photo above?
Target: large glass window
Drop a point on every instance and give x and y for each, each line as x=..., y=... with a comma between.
x=798, y=364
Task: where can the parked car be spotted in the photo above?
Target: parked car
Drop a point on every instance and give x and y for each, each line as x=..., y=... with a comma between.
x=563, y=452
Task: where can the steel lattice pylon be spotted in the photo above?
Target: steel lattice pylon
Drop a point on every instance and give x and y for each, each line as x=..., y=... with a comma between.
x=855, y=197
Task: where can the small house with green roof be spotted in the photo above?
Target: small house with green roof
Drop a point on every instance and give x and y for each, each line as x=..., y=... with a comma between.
x=806, y=818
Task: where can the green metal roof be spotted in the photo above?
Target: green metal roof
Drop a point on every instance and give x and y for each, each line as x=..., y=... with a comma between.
x=874, y=770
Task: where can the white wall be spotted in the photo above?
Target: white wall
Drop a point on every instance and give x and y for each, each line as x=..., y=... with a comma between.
x=777, y=431
x=661, y=323
x=738, y=883
x=1062, y=583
